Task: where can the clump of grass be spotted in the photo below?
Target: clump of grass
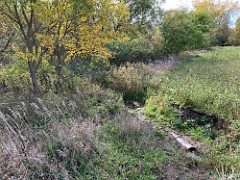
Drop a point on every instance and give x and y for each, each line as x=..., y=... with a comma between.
x=224, y=157
x=130, y=152
x=131, y=80
x=19, y=152
x=160, y=108
x=121, y=148
x=54, y=137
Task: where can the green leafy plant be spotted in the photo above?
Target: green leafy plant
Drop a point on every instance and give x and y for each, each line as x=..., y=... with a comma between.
x=160, y=108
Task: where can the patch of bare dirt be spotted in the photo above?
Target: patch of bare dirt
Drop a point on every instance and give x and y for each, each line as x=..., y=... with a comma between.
x=188, y=113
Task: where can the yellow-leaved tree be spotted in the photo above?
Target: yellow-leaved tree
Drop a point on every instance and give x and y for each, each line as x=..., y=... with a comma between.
x=21, y=15
x=63, y=29
x=79, y=28
x=6, y=36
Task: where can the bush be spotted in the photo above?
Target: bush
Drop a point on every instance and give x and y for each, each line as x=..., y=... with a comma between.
x=160, y=108
x=131, y=80
x=91, y=68
x=136, y=50
x=13, y=80
x=184, y=31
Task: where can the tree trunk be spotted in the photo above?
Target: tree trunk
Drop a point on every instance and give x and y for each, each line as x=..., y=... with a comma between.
x=58, y=69
x=36, y=89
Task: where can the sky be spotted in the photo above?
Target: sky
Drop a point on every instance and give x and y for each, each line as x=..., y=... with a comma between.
x=174, y=4
x=186, y=4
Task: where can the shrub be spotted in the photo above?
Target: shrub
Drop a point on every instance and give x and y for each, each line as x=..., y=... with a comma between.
x=90, y=67
x=136, y=50
x=13, y=80
x=184, y=31
x=131, y=80
x=160, y=108
x=16, y=79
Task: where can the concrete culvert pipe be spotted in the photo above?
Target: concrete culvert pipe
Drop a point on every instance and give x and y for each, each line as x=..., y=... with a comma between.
x=185, y=144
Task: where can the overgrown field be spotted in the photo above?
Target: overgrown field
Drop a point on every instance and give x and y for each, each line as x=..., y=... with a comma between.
x=80, y=79
x=86, y=132
x=207, y=86
x=84, y=135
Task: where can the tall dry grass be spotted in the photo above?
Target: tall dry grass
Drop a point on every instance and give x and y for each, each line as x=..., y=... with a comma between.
x=41, y=138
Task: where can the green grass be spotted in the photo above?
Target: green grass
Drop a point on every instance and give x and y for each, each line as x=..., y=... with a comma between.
x=207, y=83
x=128, y=156
x=118, y=154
